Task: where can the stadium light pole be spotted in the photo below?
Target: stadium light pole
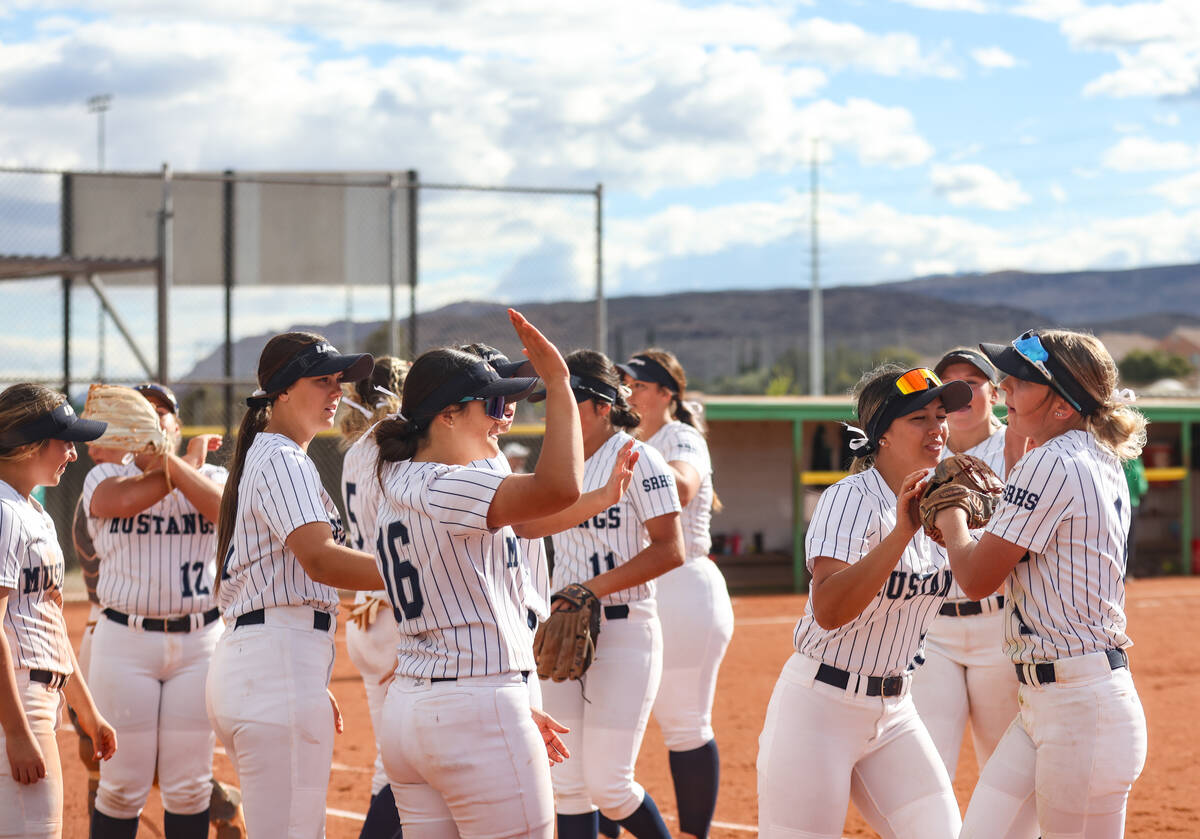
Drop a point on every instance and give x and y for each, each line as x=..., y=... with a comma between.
x=99, y=105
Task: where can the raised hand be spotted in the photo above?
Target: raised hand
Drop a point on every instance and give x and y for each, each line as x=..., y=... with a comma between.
x=546, y=359
x=622, y=473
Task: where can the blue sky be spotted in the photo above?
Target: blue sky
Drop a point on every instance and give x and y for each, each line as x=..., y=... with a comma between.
x=953, y=135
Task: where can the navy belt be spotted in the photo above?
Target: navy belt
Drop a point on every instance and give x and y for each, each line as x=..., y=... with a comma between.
x=321, y=620
x=1043, y=673
x=876, y=685
x=52, y=680
x=435, y=679
x=966, y=608
x=617, y=613
x=183, y=623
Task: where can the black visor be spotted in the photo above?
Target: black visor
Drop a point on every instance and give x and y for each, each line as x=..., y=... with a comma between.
x=499, y=361
x=1012, y=363
x=480, y=380
x=320, y=359
x=584, y=388
x=975, y=359
x=643, y=368
x=59, y=424
x=954, y=395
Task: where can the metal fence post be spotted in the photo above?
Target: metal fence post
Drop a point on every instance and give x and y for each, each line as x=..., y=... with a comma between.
x=601, y=305
x=165, y=269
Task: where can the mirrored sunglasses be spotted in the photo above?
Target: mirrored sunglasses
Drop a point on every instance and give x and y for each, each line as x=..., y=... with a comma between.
x=493, y=406
x=917, y=380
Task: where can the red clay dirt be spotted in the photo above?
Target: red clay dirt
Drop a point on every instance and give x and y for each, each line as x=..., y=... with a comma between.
x=1165, y=661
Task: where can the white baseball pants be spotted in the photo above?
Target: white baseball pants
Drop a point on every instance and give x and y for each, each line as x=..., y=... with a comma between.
x=373, y=652
x=966, y=676
x=822, y=746
x=465, y=758
x=267, y=702
x=697, y=625
x=34, y=811
x=1068, y=761
x=607, y=730
x=150, y=688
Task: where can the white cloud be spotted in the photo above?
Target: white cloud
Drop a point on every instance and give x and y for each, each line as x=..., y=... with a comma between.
x=973, y=185
x=1182, y=192
x=1170, y=119
x=1058, y=193
x=993, y=58
x=1143, y=154
x=847, y=45
x=1156, y=44
x=977, y=6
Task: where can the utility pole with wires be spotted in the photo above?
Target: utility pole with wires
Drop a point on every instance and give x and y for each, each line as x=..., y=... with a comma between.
x=99, y=105
x=816, y=340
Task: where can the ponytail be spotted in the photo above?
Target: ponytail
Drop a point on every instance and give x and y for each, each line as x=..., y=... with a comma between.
x=1120, y=429
x=622, y=414
x=253, y=421
x=398, y=439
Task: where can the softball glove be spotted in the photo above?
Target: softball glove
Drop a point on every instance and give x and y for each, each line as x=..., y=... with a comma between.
x=565, y=643
x=964, y=481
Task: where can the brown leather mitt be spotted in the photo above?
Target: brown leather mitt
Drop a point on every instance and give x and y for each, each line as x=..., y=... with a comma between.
x=965, y=481
x=565, y=643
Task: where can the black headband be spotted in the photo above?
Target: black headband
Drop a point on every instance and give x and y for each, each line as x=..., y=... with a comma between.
x=318, y=359
x=58, y=424
x=644, y=368
x=585, y=388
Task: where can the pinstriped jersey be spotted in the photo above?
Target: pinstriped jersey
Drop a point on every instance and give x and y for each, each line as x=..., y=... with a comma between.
x=614, y=536
x=852, y=517
x=159, y=562
x=991, y=452
x=1067, y=503
x=454, y=583
x=31, y=563
x=535, y=571
x=280, y=490
x=361, y=492
x=679, y=441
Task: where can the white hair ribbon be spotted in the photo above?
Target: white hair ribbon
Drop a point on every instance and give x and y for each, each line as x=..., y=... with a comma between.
x=385, y=391
x=625, y=391
x=1123, y=396
x=366, y=413
x=697, y=408
x=861, y=441
x=259, y=392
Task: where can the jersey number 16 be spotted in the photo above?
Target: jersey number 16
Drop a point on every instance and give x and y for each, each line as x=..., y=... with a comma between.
x=403, y=581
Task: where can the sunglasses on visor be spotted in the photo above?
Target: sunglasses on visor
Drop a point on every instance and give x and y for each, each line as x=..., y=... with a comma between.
x=917, y=380
x=1029, y=347
x=493, y=406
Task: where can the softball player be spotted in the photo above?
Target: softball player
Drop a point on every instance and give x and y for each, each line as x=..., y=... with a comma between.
x=693, y=600
x=153, y=521
x=452, y=566
x=617, y=553
x=966, y=675
x=38, y=431
x=371, y=633
x=1057, y=541
x=841, y=724
x=280, y=558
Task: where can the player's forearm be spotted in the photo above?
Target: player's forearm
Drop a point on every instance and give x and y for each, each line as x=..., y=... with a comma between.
x=976, y=577
x=120, y=498
x=342, y=567
x=587, y=505
x=78, y=695
x=559, y=470
x=655, y=560
x=12, y=712
x=204, y=493
x=842, y=596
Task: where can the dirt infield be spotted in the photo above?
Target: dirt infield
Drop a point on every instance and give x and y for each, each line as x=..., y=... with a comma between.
x=1165, y=661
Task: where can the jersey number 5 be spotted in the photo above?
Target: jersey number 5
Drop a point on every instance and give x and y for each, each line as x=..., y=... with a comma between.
x=403, y=582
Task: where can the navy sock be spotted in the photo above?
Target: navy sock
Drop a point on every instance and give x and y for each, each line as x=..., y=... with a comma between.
x=176, y=826
x=581, y=826
x=696, y=774
x=382, y=822
x=645, y=822
x=106, y=827
x=609, y=828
